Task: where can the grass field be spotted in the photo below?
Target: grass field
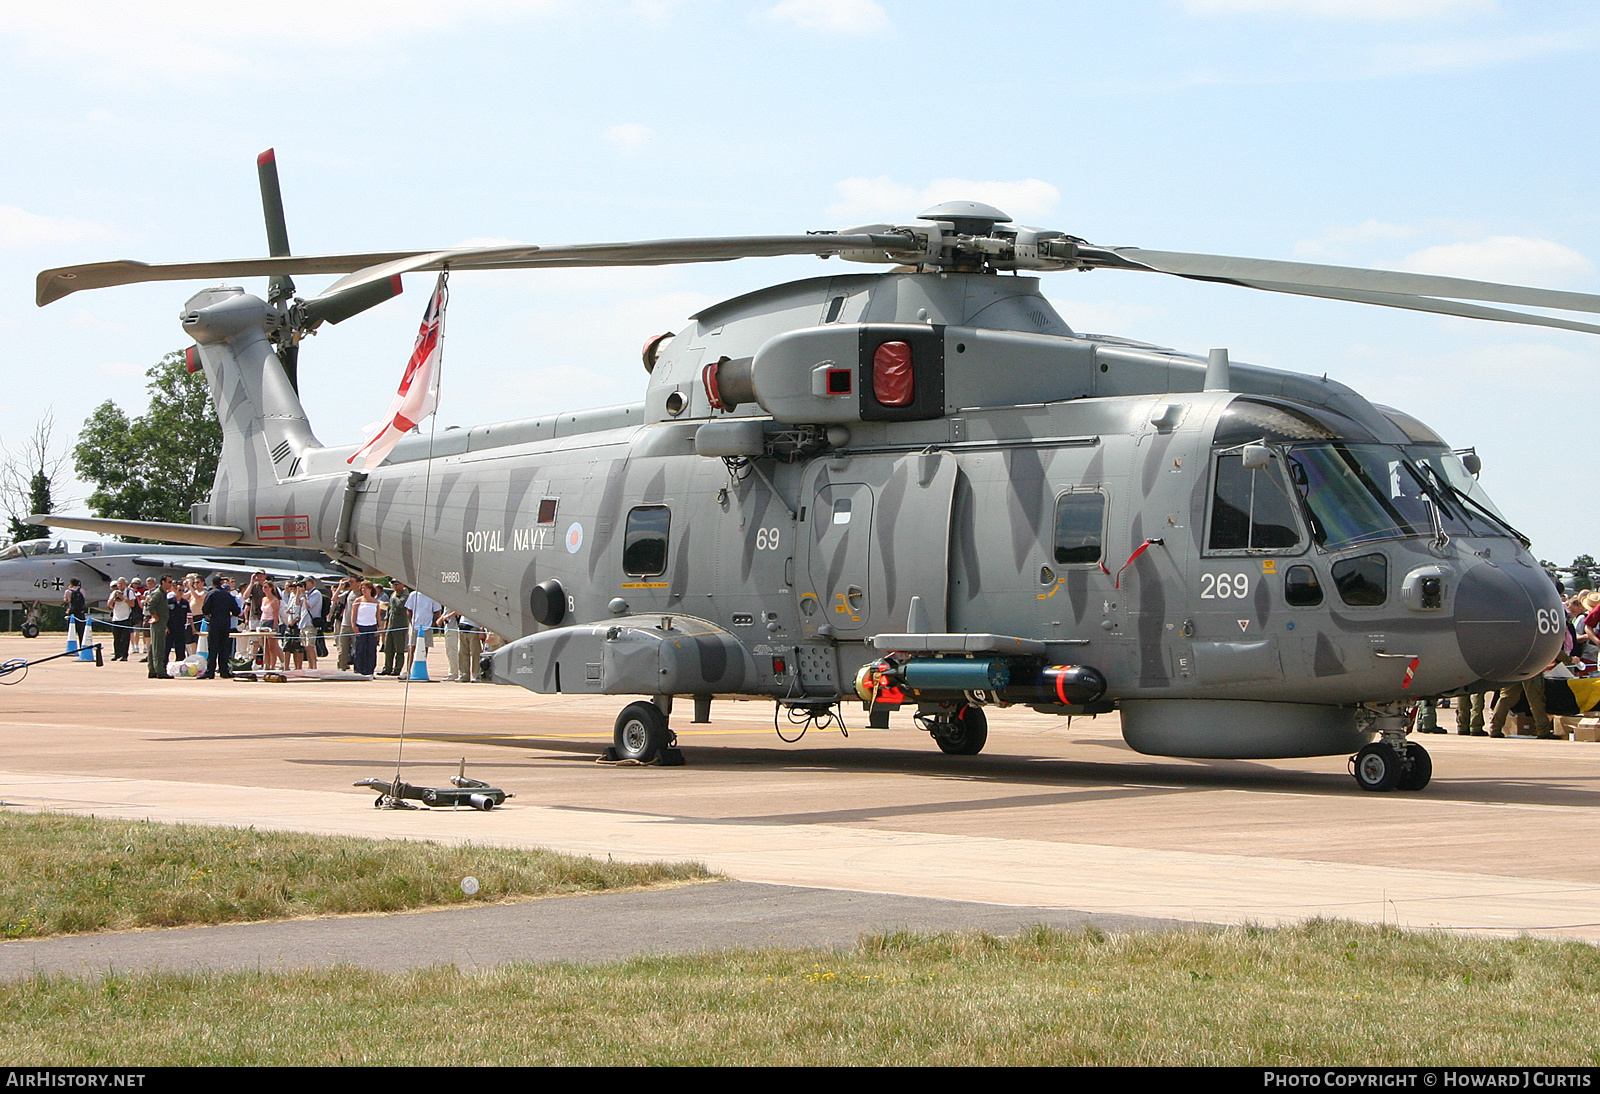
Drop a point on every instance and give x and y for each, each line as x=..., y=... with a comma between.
x=67, y=874
x=1321, y=994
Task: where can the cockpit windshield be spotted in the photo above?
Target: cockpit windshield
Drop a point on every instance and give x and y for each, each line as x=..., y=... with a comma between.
x=31, y=547
x=1359, y=492
x=1351, y=486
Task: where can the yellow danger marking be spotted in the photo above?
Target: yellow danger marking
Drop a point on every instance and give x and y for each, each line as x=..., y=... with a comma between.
x=647, y=584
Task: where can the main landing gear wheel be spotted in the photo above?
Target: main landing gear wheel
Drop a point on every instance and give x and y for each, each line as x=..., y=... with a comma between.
x=641, y=733
x=1419, y=769
x=1378, y=767
x=30, y=630
x=964, y=734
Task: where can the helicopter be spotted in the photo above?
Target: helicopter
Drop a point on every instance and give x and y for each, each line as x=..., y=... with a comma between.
x=915, y=488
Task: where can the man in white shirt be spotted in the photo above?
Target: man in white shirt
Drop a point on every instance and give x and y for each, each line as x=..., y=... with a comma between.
x=423, y=611
x=121, y=615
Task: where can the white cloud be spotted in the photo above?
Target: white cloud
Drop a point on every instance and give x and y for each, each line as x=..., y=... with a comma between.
x=1463, y=55
x=882, y=196
x=1503, y=258
x=1377, y=10
x=20, y=228
x=837, y=16
x=1337, y=242
x=628, y=137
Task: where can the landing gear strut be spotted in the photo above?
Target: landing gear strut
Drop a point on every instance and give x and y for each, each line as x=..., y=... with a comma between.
x=1390, y=762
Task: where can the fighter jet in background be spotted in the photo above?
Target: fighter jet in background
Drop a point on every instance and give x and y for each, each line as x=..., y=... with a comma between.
x=37, y=571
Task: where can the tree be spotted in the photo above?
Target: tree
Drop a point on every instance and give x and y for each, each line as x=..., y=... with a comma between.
x=153, y=467
x=28, y=481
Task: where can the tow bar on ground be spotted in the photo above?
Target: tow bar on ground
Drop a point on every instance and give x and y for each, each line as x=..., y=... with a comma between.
x=462, y=791
x=18, y=666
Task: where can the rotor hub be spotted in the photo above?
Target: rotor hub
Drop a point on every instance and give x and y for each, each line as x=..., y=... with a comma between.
x=970, y=218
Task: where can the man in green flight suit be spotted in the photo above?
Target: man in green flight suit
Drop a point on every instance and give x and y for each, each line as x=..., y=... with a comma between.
x=394, y=632
x=155, y=613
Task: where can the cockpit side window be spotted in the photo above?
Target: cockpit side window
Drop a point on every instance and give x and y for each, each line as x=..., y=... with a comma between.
x=1251, y=510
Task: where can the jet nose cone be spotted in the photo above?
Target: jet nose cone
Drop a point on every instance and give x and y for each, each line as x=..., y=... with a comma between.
x=1508, y=621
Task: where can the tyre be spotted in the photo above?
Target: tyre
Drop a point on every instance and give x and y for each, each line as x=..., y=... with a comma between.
x=966, y=733
x=641, y=733
x=1377, y=767
x=30, y=630
x=1418, y=769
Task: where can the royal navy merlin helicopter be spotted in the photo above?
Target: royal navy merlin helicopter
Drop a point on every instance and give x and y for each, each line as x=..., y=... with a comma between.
x=915, y=488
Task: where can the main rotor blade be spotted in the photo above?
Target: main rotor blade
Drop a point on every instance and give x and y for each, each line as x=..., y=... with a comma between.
x=1353, y=278
x=281, y=287
x=52, y=285
x=57, y=283
x=1420, y=303
x=204, y=535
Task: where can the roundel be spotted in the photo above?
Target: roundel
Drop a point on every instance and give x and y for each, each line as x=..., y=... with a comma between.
x=574, y=538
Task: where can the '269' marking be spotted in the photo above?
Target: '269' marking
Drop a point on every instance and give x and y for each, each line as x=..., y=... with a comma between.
x=1224, y=586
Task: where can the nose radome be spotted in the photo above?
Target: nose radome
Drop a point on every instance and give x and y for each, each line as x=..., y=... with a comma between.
x=1497, y=622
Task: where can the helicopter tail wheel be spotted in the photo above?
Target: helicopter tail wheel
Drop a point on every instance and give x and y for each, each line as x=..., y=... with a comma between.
x=641, y=733
x=30, y=630
x=964, y=733
x=1378, y=767
x=1418, y=769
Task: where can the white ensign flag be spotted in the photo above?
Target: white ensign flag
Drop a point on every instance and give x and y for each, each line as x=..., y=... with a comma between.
x=419, y=387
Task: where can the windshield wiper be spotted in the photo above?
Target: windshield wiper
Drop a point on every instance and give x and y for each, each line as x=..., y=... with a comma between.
x=1469, y=502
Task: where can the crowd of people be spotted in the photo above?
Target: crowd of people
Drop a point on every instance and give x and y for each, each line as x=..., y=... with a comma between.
x=271, y=625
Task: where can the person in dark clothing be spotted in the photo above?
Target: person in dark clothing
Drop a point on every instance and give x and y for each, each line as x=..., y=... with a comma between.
x=177, y=624
x=77, y=612
x=155, y=610
x=219, y=608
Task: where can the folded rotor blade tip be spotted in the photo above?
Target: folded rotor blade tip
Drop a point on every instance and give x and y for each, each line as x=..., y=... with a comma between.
x=266, y=157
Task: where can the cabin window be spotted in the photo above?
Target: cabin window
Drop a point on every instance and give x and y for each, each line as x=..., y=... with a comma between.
x=1301, y=589
x=1080, y=518
x=644, y=543
x=1363, y=581
x=1251, y=510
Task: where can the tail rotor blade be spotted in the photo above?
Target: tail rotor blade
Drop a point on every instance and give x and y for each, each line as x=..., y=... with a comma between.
x=280, y=287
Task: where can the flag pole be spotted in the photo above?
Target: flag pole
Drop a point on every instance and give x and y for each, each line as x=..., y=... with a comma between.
x=442, y=294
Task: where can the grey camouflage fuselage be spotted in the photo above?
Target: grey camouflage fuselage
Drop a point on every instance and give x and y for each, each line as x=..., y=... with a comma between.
x=773, y=550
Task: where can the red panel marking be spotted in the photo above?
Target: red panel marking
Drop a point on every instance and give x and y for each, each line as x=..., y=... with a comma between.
x=265, y=158
x=191, y=358
x=397, y=285
x=892, y=379
x=283, y=527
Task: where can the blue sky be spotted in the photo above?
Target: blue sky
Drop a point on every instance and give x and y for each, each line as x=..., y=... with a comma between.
x=1447, y=136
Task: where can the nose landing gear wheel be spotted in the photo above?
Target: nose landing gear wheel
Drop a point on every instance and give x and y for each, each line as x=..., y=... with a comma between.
x=641, y=733
x=30, y=630
x=964, y=734
x=1377, y=767
x=1419, y=769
